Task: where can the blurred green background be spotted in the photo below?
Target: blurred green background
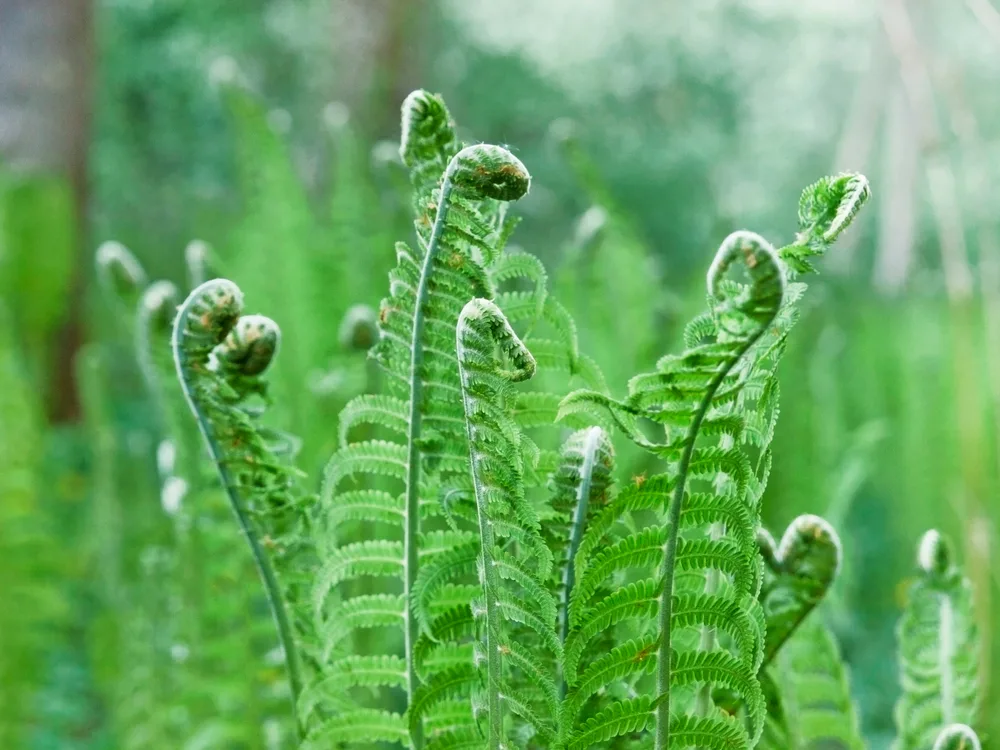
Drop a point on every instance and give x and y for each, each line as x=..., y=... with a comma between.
x=268, y=129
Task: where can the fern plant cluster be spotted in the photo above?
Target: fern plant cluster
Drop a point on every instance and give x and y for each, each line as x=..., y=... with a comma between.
x=471, y=572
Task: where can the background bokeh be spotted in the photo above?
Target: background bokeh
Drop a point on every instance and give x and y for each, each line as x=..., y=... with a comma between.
x=268, y=130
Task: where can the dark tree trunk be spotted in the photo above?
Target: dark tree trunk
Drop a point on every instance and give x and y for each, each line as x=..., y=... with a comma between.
x=46, y=61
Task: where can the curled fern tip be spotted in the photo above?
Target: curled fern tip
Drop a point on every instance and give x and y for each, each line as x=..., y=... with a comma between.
x=490, y=172
x=934, y=553
x=252, y=344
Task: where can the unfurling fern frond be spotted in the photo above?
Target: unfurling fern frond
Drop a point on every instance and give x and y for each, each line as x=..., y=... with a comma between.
x=958, y=737
x=815, y=708
x=120, y=273
x=219, y=358
x=826, y=209
x=938, y=650
x=702, y=593
x=516, y=614
x=414, y=476
x=700, y=623
x=798, y=573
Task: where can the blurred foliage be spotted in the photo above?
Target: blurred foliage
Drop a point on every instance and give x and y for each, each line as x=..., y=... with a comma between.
x=653, y=131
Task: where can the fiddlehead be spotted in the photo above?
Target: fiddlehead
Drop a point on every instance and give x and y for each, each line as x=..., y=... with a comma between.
x=938, y=649
x=797, y=575
x=119, y=272
x=490, y=358
x=219, y=357
x=826, y=209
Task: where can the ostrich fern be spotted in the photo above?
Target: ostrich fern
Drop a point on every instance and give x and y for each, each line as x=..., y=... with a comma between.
x=461, y=582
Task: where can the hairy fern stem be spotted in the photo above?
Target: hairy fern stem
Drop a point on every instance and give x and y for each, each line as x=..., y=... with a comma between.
x=413, y=453
x=272, y=589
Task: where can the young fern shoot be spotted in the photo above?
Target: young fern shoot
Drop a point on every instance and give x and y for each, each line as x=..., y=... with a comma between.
x=459, y=201
x=798, y=573
x=717, y=405
x=938, y=649
x=491, y=357
x=220, y=357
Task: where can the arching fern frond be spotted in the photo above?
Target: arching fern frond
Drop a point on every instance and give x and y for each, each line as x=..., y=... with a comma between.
x=717, y=570
x=716, y=405
x=459, y=200
x=938, y=649
x=220, y=357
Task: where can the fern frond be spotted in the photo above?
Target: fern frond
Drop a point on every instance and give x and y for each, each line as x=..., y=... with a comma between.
x=421, y=455
x=938, y=649
x=120, y=273
x=359, y=726
x=220, y=357
x=491, y=357
x=690, y=393
x=580, y=488
x=826, y=209
x=815, y=700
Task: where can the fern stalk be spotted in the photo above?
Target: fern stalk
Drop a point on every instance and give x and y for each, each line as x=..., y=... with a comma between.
x=225, y=301
x=591, y=444
x=413, y=454
x=670, y=551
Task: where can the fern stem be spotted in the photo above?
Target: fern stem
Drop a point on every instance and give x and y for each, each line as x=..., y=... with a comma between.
x=590, y=447
x=670, y=550
x=413, y=453
x=272, y=589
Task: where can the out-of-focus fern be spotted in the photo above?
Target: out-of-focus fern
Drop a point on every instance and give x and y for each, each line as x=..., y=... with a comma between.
x=32, y=606
x=271, y=253
x=717, y=404
x=797, y=574
x=957, y=737
x=938, y=650
x=816, y=709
